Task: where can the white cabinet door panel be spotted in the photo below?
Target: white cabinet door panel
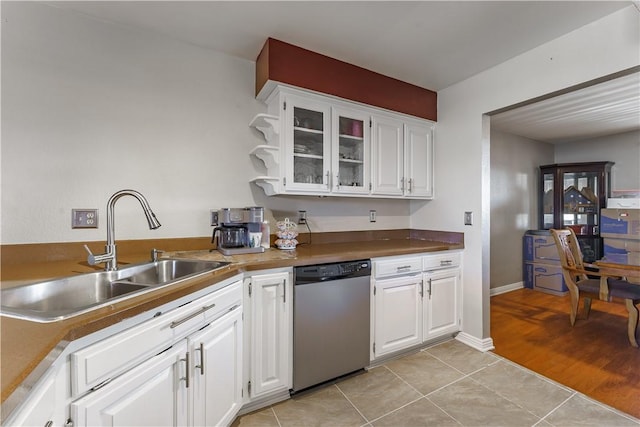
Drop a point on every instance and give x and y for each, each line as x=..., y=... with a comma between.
x=270, y=333
x=419, y=160
x=216, y=352
x=387, y=157
x=152, y=394
x=398, y=314
x=441, y=302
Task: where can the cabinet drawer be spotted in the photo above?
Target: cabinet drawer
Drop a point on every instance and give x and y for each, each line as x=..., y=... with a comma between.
x=396, y=266
x=110, y=357
x=441, y=260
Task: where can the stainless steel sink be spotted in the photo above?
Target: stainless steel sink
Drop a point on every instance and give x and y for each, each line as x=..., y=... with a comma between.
x=70, y=296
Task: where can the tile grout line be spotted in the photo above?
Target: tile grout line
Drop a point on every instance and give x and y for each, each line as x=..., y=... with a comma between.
x=404, y=381
x=508, y=399
x=443, y=410
x=570, y=390
x=557, y=407
x=607, y=407
x=426, y=396
x=276, y=415
x=352, y=404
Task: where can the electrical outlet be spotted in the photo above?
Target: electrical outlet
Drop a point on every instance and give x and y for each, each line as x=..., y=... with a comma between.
x=84, y=218
x=213, y=217
x=302, y=217
x=372, y=216
x=468, y=218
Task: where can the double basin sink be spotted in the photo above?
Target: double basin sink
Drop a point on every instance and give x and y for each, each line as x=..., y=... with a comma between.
x=60, y=299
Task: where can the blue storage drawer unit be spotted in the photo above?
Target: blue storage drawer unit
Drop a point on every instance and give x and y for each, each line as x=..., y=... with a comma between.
x=538, y=246
x=545, y=278
x=541, y=268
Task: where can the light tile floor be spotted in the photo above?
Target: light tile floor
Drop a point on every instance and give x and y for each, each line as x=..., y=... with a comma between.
x=444, y=385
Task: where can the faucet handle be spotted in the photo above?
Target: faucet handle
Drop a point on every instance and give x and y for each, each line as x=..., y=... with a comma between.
x=91, y=259
x=154, y=254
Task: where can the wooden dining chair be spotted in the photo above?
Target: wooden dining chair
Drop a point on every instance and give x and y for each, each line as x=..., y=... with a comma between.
x=607, y=286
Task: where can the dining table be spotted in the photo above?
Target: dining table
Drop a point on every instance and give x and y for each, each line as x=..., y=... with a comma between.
x=631, y=271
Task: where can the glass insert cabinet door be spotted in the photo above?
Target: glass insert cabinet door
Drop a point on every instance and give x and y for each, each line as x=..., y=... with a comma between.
x=573, y=194
x=580, y=202
x=350, y=152
x=308, y=165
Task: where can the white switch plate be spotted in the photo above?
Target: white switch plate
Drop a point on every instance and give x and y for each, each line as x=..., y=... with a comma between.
x=468, y=218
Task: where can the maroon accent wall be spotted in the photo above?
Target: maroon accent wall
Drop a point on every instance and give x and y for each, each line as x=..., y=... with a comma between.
x=285, y=63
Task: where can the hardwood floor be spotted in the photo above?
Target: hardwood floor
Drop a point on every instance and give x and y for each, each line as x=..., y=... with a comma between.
x=594, y=357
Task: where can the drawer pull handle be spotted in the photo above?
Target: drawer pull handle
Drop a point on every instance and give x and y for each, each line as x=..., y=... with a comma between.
x=186, y=377
x=446, y=262
x=403, y=268
x=201, y=365
x=191, y=316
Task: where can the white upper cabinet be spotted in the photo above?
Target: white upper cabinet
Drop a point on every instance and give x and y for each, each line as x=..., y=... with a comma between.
x=418, y=146
x=322, y=145
x=388, y=157
x=351, y=147
x=307, y=145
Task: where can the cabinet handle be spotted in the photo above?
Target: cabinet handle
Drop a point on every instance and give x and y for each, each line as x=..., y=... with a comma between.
x=48, y=424
x=284, y=291
x=410, y=184
x=421, y=288
x=446, y=262
x=429, y=289
x=191, y=316
x=402, y=184
x=338, y=181
x=201, y=365
x=403, y=268
x=186, y=377
x=328, y=179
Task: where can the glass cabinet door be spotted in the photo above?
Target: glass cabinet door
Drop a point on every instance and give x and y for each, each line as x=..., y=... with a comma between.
x=548, y=201
x=580, y=204
x=308, y=148
x=350, y=151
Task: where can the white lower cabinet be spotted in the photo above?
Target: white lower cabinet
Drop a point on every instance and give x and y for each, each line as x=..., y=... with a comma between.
x=154, y=393
x=398, y=314
x=217, y=371
x=269, y=334
x=40, y=410
x=196, y=380
x=441, y=299
x=414, y=300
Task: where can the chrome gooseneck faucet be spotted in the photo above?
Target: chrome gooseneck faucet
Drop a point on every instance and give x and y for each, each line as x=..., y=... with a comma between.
x=110, y=257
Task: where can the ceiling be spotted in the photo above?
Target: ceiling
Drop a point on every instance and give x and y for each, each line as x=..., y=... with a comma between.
x=601, y=109
x=432, y=44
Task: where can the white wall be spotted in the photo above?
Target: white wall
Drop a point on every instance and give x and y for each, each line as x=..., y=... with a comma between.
x=515, y=162
x=462, y=140
x=89, y=108
x=623, y=149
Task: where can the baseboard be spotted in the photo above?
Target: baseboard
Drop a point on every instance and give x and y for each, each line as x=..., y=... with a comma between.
x=264, y=402
x=506, y=288
x=483, y=345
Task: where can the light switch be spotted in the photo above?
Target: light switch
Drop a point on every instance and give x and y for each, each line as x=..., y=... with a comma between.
x=468, y=218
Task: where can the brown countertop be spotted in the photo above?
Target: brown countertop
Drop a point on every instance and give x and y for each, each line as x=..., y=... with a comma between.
x=25, y=345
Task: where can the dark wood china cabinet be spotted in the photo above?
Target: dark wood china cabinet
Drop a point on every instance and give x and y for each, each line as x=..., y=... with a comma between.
x=571, y=195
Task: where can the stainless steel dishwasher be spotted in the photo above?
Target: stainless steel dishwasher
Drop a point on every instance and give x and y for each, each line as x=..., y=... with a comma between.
x=331, y=307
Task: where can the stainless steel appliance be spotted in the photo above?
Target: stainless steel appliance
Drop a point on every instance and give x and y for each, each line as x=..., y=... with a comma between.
x=331, y=307
x=239, y=230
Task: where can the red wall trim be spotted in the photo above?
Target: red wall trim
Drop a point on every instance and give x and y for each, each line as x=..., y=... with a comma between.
x=283, y=62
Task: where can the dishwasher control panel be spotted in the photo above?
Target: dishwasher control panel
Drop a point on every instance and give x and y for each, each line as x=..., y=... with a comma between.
x=322, y=272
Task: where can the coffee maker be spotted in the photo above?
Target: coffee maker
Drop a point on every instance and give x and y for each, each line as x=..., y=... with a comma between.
x=239, y=230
